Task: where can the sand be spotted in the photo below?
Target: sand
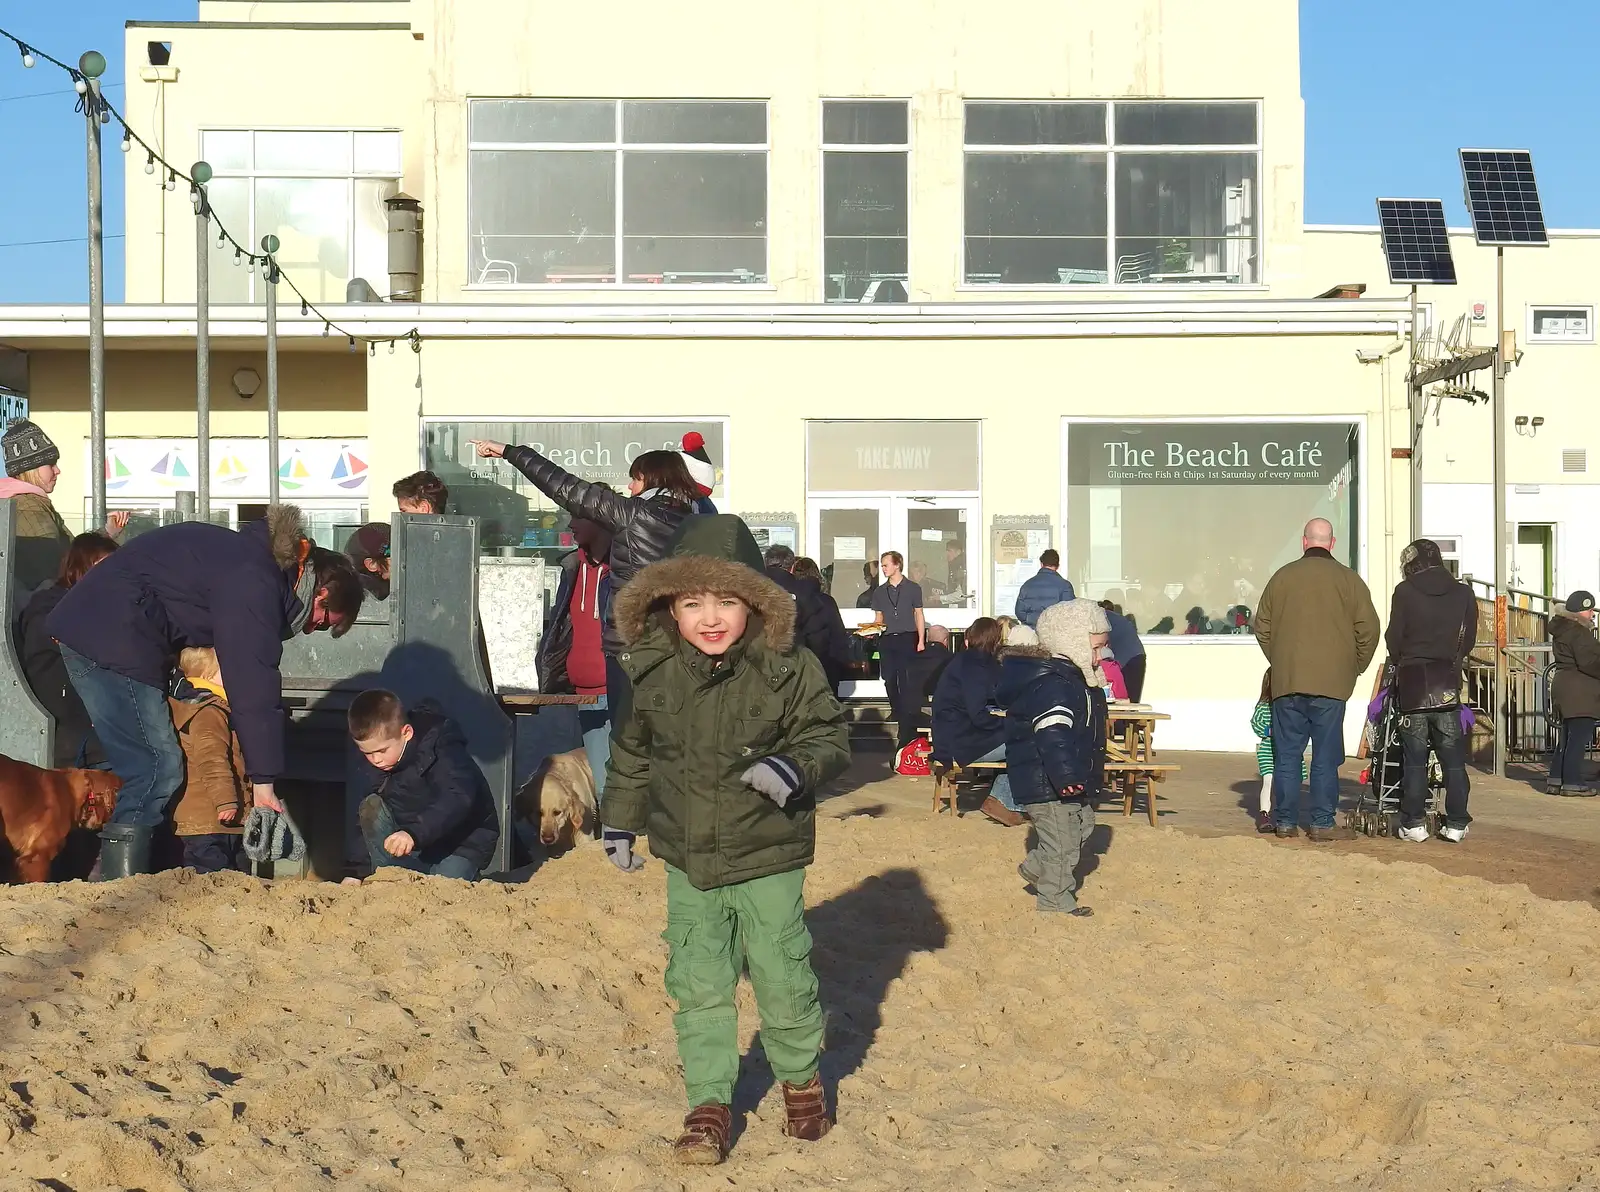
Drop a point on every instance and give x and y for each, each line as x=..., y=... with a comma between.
x=1235, y=1016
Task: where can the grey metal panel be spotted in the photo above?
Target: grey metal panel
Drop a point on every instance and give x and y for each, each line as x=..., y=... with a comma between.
x=27, y=731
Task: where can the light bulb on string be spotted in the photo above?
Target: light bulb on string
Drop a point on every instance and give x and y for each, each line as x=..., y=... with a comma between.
x=250, y=265
x=326, y=327
x=391, y=347
x=238, y=257
x=352, y=344
x=81, y=86
x=172, y=181
x=28, y=60
x=372, y=350
x=105, y=116
x=304, y=310
x=127, y=143
x=150, y=166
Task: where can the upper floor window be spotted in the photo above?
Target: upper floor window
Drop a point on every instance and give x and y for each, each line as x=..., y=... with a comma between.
x=1126, y=193
x=598, y=192
x=319, y=191
x=865, y=205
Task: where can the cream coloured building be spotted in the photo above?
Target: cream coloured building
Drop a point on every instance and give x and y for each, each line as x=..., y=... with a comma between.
x=641, y=220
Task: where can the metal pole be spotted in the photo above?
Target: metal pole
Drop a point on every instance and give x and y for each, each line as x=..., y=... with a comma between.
x=269, y=245
x=1415, y=411
x=202, y=341
x=93, y=65
x=1502, y=710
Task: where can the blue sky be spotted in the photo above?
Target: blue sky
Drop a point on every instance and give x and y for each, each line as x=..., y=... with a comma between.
x=1392, y=89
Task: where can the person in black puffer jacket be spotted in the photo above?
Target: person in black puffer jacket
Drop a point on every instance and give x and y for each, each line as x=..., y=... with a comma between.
x=1055, y=703
x=661, y=495
x=1433, y=625
x=818, y=625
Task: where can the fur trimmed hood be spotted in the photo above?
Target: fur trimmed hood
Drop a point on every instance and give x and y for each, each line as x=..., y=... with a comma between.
x=286, y=527
x=709, y=554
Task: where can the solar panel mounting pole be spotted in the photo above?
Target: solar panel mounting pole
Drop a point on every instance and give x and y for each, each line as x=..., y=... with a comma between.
x=1502, y=545
x=1414, y=410
x=201, y=173
x=269, y=245
x=92, y=66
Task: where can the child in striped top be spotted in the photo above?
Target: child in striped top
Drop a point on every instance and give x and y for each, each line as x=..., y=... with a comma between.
x=1261, y=722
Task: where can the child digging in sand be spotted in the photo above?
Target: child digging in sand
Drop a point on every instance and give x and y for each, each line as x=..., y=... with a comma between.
x=432, y=810
x=1055, y=703
x=731, y=732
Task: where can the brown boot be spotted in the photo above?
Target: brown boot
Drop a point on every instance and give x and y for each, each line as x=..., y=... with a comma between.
x=807, y=1110
x=706, y=1134
x=999, y=812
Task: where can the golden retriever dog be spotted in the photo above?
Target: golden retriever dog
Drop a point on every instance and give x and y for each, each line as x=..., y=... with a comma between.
x=39, y=807
x=560, y=798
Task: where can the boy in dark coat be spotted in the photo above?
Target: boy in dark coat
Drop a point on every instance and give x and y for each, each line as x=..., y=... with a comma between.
x=1055, y=705
x=432, y=810
x=732, y=732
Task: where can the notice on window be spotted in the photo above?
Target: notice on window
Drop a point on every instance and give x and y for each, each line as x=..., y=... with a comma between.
x=933, y=535
x=1108, y=454
x=850, y=548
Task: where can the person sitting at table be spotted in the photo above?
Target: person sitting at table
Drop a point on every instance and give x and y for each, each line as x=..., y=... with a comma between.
x=966, y=728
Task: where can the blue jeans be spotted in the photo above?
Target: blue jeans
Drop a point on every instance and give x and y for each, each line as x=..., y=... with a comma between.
x=216, y=852
x=134, y=725
x=377, y=825
x=1001, y=789
x=1297, y=719
x=594, y=722
x=1566, y=763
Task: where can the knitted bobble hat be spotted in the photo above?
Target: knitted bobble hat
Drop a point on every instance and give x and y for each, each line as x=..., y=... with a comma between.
x=698, y=462
x=27, y=447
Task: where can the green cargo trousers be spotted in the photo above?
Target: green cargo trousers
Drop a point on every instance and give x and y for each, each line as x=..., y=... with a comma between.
x=713, y=935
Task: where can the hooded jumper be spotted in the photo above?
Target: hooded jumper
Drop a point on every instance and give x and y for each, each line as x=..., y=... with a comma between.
x=1056, y=707
x=196, y=584
x=697, y=722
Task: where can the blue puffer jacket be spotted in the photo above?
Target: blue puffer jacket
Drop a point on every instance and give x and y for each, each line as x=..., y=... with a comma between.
x=1055, y=728
x=963, y=728
x=437, y=793
x=1039, y=593
x=196, y=584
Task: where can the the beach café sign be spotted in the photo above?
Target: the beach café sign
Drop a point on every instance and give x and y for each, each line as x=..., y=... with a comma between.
x=1109, y=454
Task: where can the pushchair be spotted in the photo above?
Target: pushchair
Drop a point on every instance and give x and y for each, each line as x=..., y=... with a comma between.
x=1377, y=809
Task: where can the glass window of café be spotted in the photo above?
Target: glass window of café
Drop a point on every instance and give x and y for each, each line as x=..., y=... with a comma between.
x=517, y=519
x=1183, y=523
x=909, y=486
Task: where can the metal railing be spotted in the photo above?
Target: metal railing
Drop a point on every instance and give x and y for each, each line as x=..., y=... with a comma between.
x=1529, y=730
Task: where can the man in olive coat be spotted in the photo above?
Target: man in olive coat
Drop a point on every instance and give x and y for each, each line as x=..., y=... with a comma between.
x=1319, y=631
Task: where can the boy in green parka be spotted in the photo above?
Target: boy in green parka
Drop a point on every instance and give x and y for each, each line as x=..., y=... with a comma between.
x=731, y=731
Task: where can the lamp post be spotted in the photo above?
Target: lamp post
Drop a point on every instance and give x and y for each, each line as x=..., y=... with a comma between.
x=201, y=173
x=93, y=65
x=269, y=246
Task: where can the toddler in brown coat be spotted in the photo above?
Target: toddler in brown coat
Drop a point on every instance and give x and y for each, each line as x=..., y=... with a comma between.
x=209, y=810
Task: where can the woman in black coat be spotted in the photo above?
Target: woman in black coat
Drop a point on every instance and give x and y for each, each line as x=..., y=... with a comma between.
x=965, y=728
x=661, y=494
x=76, y=746
x=1575, y=693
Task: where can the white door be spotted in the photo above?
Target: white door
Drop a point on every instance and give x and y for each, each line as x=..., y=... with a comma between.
x=937, y=536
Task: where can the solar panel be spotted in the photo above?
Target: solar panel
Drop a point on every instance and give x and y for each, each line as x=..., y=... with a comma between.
x=1415, y=242
x=1502, y=196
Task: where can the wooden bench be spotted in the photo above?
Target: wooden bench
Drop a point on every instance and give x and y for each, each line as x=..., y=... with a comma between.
x=945, y=778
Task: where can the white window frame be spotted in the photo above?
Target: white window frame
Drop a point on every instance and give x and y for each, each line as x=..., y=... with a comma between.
x=1110, y=149
x=617, y=147
x=1535, y=308
x=828, y=147
x=350, y=177
x=1363, y=500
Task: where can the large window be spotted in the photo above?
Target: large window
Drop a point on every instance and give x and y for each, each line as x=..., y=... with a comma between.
x=597, y=192
x=1183, y=523
x=866, y=209
x=321, y=192
x=1137, y=193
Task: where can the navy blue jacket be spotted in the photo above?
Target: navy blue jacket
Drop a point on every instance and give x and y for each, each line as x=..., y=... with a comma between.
x=192, y=584
x=1055, y=728
x=963, y=728
x=1038, y=593
x=437, y=793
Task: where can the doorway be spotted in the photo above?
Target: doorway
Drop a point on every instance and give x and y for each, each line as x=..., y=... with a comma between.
x=1533, y=559
x=937, y=536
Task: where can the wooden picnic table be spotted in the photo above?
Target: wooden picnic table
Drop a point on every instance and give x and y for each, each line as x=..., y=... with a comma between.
x=1130, y=759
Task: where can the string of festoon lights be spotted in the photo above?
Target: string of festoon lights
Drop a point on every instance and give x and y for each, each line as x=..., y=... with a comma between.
x=92, y=103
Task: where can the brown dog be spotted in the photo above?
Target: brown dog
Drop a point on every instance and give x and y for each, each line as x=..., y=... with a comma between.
x=39, y=807
x=560, y=798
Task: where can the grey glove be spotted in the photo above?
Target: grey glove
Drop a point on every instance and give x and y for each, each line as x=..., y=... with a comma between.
x=619, y=848
x=778, y=778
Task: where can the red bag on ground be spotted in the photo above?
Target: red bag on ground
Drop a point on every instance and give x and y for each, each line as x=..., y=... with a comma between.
x=912, y=761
